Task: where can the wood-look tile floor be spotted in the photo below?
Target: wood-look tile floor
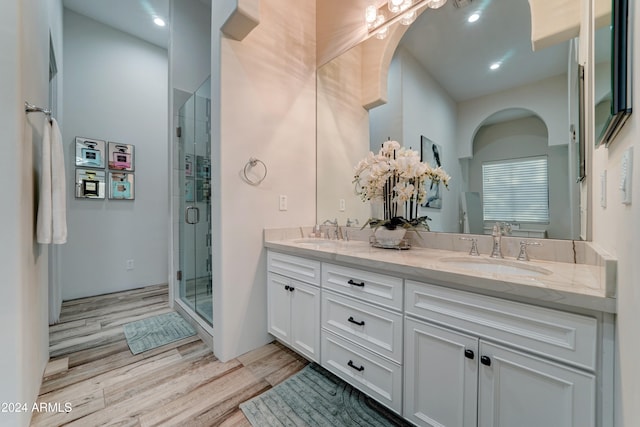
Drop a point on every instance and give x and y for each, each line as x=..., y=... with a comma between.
x=180, y=384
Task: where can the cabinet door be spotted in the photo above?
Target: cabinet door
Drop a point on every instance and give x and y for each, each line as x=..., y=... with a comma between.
x=278, y=307
x=305, y=319
x=525, y=391
x=441, y=376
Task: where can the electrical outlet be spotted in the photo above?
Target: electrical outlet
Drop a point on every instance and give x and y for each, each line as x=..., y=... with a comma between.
x=129, y=264
x=283, y=202
x=342, y=205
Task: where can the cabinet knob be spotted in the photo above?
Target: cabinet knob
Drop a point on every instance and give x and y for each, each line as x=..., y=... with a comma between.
x=357, y=368
x=291, y=289
x=469, y=354
x=355, y=322
x=286, y=287
x=485, y=360
x=354, y=283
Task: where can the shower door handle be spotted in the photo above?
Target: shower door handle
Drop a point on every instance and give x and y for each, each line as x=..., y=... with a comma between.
x=187, y=218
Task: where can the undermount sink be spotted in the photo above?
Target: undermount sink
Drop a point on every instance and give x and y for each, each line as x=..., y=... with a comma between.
x=497, y=266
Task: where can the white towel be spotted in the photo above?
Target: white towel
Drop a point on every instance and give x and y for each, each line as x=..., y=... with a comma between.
x=52, y=207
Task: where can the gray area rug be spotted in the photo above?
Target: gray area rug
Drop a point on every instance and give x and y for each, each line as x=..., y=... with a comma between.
x=316, y=397
x=156, y=331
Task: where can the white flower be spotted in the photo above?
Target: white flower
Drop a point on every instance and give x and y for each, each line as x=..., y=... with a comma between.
x=404, y=192
x=399, y=167
x=388, y=147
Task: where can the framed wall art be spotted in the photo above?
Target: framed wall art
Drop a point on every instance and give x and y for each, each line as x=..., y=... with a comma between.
x=90, y=184
x=121, y=186
x=90, y=152
x=188, y=165
x=431, y=153
x=189, y=190
x=121, y=156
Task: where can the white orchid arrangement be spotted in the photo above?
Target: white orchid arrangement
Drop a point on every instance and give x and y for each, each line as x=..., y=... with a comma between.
x=396, y=176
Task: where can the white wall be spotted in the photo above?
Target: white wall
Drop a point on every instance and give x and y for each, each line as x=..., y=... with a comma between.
x=526, y=137
x=417, y=106
x=24, y=67
x=617, y=229
x=547, y=98
x=428, y=110
x=116, y=90
x=264, y=107
x=342, y=138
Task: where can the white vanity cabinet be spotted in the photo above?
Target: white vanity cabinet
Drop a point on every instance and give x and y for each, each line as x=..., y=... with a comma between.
x=458, y=373
x=362, y=331
x=441, y=356
x=293, y=303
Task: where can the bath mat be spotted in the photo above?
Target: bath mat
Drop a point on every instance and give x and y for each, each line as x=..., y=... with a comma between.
x=315, y=397
x=156, y=331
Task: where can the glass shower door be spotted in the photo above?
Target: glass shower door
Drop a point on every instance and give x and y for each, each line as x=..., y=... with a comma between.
x=195, y=204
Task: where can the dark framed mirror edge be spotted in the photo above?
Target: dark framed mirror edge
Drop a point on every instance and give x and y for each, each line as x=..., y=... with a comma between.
x=621, y=84
x=582, y=161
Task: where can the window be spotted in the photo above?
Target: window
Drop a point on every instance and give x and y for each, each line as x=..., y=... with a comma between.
x=516, y=190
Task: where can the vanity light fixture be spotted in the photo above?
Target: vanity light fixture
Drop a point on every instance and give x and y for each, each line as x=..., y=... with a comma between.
x=404, y=11
x=159, y=21
x=473, y=17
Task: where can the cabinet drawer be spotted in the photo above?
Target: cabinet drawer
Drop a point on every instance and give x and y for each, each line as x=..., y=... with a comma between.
x=372, y=287
x=375, y=328
x=374, y=375
x=564, y=336
x=295, y=267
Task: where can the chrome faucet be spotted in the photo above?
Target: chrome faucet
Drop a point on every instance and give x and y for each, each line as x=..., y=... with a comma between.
x=336, y=230
x=474, y=245
x=496, y=252
x=523, y=256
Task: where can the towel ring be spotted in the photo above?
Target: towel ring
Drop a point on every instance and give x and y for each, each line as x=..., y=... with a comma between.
x=250, y=164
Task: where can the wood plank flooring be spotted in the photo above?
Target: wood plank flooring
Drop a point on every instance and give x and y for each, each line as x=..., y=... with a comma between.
x=180, y=384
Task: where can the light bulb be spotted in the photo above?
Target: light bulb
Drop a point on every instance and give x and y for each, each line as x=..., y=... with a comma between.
x=370, y=14
x=408, y=18
x=159, y=21
x=394, y=5
x=495, y=66
x=382, y=33
x=435, y=4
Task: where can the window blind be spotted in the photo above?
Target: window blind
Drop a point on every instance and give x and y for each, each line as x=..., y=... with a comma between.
x=516, y=190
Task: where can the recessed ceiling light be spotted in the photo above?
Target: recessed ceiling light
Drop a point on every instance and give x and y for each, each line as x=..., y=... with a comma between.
x=159, y=22
x=495, y=66
x=473, y=18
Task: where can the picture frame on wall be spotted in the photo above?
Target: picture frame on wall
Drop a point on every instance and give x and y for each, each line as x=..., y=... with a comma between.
x=121, y=186
x=121, y=156
x=188, y=165
x=189, y=190
x=90, y=153
x=431, y=153
x=90, y=184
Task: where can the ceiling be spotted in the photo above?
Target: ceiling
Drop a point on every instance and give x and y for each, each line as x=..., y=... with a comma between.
x=458, y=53
x=131, y=16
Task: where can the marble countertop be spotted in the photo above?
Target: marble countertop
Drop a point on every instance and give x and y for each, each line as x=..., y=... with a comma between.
x=554, y=284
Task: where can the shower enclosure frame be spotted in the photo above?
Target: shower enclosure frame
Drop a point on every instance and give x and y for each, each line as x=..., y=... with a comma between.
x=192, y=210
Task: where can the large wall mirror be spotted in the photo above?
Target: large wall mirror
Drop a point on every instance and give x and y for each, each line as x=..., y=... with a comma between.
x=612, y=90
x=491, y=106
